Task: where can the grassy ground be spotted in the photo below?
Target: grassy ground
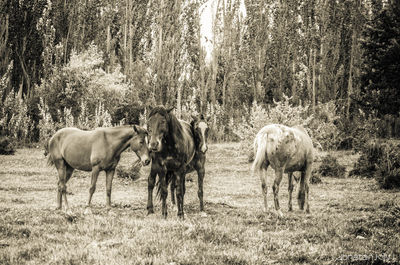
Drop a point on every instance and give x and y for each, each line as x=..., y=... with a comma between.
x=352, y=221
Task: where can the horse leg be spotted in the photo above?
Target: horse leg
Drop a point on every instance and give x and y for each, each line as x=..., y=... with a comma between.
x=264, y=189
x=164, y=193
x=62, y=187
x=180, y=192
x=109, y=179
x=172, y=187
x=304, y=188
x=290, y=189
x=95, y=174
x=275, y=188
x=68, y=173
x=150, y=186
x=200, y=178
x=307, y=186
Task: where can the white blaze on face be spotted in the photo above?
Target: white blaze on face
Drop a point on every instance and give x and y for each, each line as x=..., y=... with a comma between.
x=203, y=127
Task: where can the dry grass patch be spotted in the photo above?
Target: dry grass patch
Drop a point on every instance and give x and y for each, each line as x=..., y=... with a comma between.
x=349, y=217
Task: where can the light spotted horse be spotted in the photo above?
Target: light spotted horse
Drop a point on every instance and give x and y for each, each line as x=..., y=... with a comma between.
x=97, y=150
x=286, y=149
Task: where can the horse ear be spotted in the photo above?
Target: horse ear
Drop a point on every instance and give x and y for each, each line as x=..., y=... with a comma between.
x=135, y=128
x=194, y=117
x=208, y=119
x=170, y=109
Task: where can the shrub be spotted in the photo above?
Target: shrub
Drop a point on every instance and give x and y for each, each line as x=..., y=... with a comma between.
x=323, y=129
x=132, y=173
x=330, y=167
x=388, y=168
x=7, y=147
x=358, y=131
x=14, y=119
x=315, y=177
x=381, y=160
x=366, y=165
x=82, y=92
x=283, y=112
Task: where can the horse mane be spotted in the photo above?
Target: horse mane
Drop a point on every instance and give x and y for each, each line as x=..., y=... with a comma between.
x=175, y=129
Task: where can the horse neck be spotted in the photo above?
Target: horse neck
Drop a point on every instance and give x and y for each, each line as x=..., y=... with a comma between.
x=181, y=139
x=176, y=130
x=120, y=138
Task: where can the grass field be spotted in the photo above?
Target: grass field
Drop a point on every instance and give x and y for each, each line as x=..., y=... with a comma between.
x=351, y=220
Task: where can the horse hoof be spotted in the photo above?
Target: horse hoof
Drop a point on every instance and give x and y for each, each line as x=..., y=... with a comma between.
x=150, y=212
x=203, y=214
x=87, y=211
x=279, y=213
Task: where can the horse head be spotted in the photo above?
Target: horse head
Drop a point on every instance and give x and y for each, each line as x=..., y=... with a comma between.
x=200, y=129
x=139, y=145
x=158, y=127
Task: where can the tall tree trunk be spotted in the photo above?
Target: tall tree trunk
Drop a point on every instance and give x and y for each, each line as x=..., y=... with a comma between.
x=309, y=73
x=214, y=63
x=350, y=81
x=294, y=82
x=126, y=29
x=314, y=79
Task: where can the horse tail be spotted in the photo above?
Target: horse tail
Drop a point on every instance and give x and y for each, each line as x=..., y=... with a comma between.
x=168, y=178
x=46, y=147
x=260, y=154
x=50, y=161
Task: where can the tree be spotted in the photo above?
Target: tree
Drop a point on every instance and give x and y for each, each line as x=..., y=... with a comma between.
x=380, y=78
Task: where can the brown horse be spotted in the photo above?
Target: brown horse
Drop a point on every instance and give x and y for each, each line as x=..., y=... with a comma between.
x=97, y=150
x=200, y=132
x=287, y=150
x=173, y=149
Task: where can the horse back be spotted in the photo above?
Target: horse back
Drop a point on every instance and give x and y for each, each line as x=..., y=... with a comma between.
x=286, y=147
x=77, y=147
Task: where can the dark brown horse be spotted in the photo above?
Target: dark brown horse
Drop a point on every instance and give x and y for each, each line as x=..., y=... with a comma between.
x=173, y=149
x=200, y=133
x=97, y=150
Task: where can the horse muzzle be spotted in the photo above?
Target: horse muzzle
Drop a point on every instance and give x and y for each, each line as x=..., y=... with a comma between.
x=155, y=146
x=204, y=149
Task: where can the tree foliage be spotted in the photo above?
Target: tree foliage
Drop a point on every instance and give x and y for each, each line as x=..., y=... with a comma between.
x=125, y=55
x=380, y=80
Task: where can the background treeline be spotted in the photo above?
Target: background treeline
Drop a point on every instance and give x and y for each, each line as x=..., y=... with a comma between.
x=333, y=66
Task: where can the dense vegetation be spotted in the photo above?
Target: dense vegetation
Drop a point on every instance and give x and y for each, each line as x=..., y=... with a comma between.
x=331, y=66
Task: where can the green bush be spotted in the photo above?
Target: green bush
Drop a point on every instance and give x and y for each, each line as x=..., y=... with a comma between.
x=367, y=164
x=7, y=147
x=82, y=94
x=388, y=168
x=330, y=167
x=315, y=177
x=380, y=159
x=320, y=125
